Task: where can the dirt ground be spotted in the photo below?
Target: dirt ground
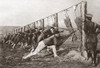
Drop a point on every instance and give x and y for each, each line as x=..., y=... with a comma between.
x=10, y=58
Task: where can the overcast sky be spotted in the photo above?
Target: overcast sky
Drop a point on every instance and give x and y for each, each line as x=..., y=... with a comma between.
x=22, y=12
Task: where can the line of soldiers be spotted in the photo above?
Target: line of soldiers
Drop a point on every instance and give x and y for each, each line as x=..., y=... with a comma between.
x=36, y=39
x=48, y=38
x=21, y=38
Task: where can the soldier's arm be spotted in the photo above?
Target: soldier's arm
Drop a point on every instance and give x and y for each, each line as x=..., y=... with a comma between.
x=97, y=28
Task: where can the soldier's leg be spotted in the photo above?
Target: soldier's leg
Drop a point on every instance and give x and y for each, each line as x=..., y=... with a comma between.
x=21, y=45
x=34, y=44
x=40, y=46
x=53, y=47
x=94, y=54
x=40, y=38
x=6, y=42
x=13, y=46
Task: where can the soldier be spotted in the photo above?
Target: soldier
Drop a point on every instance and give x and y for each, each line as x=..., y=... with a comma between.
x=91, y=30
x=50, y=42
x=46, y=33
x=35, y=37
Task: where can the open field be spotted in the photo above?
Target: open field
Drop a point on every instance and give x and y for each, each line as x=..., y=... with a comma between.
x=12, y=58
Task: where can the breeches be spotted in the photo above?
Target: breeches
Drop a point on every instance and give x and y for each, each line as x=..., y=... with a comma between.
x=91, y=45
x=40, y=46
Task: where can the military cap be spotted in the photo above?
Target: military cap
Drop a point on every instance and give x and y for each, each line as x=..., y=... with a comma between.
x=89, y=15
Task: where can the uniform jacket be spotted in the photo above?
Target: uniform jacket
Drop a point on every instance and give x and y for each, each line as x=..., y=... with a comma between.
x=52, y=40
x=91, y=31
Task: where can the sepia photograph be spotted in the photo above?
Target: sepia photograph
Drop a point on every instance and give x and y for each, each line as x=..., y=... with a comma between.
x=49, y=34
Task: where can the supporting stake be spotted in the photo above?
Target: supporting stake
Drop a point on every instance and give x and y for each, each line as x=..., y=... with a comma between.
x=83, y=25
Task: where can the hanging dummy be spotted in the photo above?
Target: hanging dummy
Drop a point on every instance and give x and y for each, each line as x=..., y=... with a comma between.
x=28, y=28
x=41, y=23
x=68, y=24
x=78, y=19
x=48, y=26
x=23, y=29
x=36, y=24
x=31, y=25
x=55, y=20
x=51, y=20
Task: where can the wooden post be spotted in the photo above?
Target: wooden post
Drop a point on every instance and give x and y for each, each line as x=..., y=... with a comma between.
x=37, y=24
x=24, y=28
x=21, y=29
x=56, y=22
x=16, y=30
x=28, y=26
x=43, y=23
x=34, y=25
x=83, y=24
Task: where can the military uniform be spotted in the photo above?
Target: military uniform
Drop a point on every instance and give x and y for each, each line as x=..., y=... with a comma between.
x=50, y=41
x=91, y=32
x=35, y=38
x=45, y=34
x=91, y=36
